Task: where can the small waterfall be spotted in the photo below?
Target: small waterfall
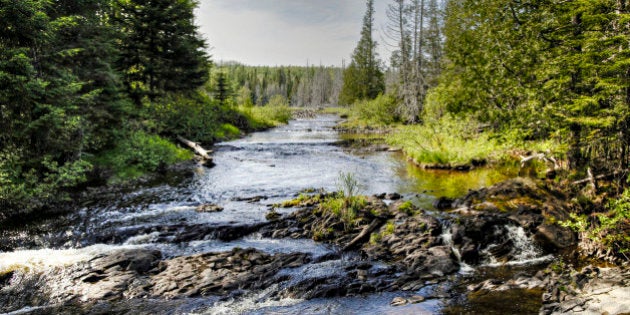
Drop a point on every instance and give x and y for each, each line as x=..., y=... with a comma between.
x=447, y=239
x=515, y=248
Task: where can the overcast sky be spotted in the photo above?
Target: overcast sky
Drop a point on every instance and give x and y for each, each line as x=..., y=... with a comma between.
x=286, y=32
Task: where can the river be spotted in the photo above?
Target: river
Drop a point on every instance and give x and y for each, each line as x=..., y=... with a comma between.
x=250, y=175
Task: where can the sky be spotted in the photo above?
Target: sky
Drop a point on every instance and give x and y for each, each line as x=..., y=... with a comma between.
x=286, y=32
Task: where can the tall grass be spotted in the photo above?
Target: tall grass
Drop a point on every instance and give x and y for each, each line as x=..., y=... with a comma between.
x=447, y=140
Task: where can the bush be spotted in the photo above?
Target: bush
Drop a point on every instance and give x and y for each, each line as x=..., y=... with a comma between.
x=139, y=153
x=24, y=189
x=226, y=132
x=608, y=229
x=276, y=112
x=195, y=117
x=378, y=112
x=348, y=185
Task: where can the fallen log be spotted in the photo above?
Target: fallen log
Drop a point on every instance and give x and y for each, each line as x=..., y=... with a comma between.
x=542, y=157
x=590, y=179
x=198, y=149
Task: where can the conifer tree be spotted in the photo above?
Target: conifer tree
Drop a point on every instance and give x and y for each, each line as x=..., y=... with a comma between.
x=363, y=79
x=162, y=51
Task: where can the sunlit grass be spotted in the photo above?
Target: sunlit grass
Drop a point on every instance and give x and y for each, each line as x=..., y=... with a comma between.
x=271, y=115
x=446, y=141
x=459, y=141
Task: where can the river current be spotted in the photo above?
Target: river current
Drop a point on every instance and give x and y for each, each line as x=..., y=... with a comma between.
x=250, y=174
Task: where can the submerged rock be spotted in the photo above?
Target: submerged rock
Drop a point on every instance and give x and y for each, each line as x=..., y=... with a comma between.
x=209, y=208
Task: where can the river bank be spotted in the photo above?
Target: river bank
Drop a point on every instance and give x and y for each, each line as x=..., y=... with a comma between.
x=202, y=243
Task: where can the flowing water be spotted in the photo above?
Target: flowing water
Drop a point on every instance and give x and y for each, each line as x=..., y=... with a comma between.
x=250, y=175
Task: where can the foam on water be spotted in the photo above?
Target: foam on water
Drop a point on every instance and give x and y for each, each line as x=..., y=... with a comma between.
x=45, y=259
x=525, y=252
x=268, y=245
x=447, y=238
x=249, y=303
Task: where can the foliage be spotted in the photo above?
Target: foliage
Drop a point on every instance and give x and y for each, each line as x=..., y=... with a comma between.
x=276, y=112
x=449, y=140
x=380, y=111
x=346, y=203
x=609, y=228
x=407, y=207
x=348, y=185
x=615, y=224
x=302, y=86
x=139, y=152
x=546, y=69
x=192, y=116
x=63, y=68
x=415, y=27
x=160, y=43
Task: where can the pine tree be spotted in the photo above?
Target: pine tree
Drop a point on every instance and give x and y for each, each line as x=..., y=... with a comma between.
x=162, y=51
x=363, y=79
x=222, y=90
x=590, y=76
x=43, y=139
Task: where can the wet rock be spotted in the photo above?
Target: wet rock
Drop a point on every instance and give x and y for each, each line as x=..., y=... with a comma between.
x=273, y=215
x=140, y=274
x=554, y=237
x=416, y=299
x=398, y=301
x=137, y=260
x=221, y=273
x=209, y=208
x=443, y=203
x=591, y=291
x=393, y=196
x=401, y=301
x=182, y=232
x=253, y=199
x=439, y=262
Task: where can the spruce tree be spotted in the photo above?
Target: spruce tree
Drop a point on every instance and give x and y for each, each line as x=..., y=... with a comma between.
x=162, y=51
x=363, y=79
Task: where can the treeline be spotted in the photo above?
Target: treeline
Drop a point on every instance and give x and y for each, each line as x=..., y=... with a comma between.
x=491, y=80
x=92, y=90
x=537, y=69
x=546, y=68
x=299, y=86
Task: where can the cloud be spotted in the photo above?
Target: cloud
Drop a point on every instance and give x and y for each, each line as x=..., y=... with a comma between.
x=275, y=32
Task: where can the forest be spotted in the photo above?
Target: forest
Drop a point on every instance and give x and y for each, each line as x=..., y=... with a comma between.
x=98, y=91
x=481, y=168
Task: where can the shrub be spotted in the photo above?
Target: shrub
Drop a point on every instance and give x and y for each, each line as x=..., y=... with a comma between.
x=140, y=152
x=448, y=140
x=276, y=112
x=348, y=185
x=378, y=112
x=609, y=229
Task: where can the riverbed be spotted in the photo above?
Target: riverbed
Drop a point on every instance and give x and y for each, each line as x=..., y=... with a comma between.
x=250, y=176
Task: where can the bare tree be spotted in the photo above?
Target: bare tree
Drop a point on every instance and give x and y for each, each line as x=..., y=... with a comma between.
x=415, y=25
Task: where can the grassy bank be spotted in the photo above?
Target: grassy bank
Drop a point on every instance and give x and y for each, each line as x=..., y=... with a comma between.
x=150, y=144
x=451, y=141
x=441, y=140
